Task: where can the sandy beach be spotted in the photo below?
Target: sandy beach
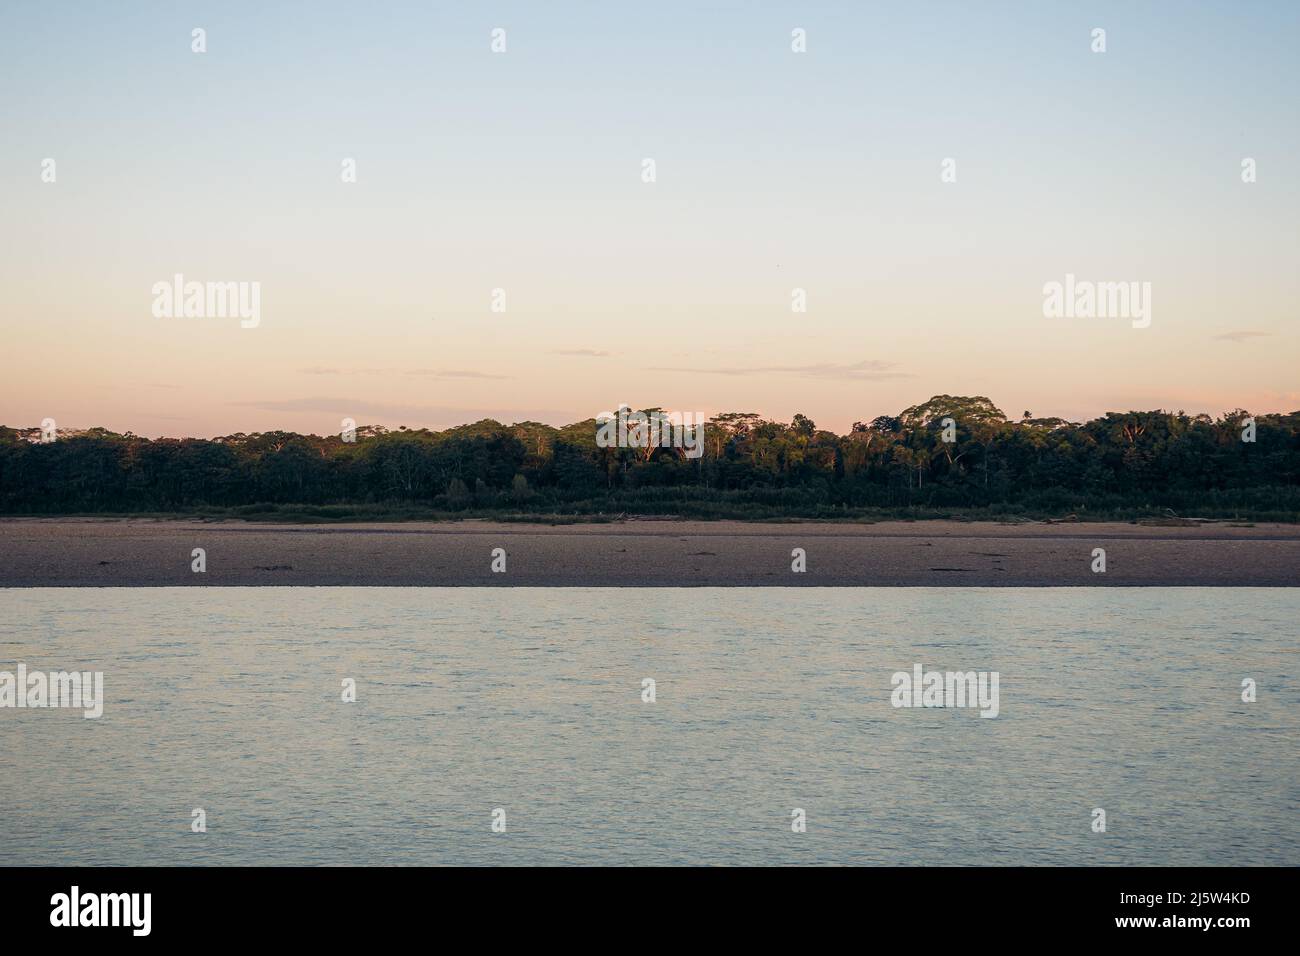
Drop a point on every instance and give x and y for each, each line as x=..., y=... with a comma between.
x=66, y=552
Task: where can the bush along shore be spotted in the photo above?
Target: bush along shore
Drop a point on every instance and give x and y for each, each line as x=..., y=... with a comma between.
x=949, y=457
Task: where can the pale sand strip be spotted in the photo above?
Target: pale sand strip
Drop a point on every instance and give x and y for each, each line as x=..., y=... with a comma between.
x=144, y=552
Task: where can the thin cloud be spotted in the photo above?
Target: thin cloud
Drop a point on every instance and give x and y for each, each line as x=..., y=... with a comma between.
x=869, y=370
x=451, y=373
x=425, y=372
x=392, y=411
x=1241, y=335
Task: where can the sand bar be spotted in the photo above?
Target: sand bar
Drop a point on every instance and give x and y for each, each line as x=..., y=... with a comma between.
x=87, y=552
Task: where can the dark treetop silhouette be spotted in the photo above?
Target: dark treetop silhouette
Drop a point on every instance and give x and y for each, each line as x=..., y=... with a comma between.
x=1121, y=465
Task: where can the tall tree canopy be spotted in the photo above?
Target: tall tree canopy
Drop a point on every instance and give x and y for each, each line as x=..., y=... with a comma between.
x=1123, y=462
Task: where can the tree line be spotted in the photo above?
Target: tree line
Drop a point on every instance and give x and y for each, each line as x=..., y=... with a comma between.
x=951, y=454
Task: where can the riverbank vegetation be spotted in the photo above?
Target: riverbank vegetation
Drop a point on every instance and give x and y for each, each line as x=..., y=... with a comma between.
x=948, y=457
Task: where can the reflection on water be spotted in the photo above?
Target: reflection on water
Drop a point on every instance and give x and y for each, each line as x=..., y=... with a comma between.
x=767, y=700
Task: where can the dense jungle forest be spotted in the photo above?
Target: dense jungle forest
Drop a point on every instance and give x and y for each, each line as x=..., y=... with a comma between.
x=1124, y=465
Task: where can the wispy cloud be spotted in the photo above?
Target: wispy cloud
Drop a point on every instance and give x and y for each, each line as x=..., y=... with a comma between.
x=428, y=372
x=592, y=353
x=433, y=414
x=868, y=370
x=451, y=373
x=1240, y=335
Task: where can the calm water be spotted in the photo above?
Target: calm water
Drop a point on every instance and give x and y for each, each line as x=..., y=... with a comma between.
x=767, y=699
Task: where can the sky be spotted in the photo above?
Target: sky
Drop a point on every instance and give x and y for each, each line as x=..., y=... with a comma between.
x=523, y=171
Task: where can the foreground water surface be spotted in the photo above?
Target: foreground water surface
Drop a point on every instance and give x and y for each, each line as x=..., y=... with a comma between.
x=766, y=700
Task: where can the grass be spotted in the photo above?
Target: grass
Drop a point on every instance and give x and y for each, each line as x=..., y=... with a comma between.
x=598, y=512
